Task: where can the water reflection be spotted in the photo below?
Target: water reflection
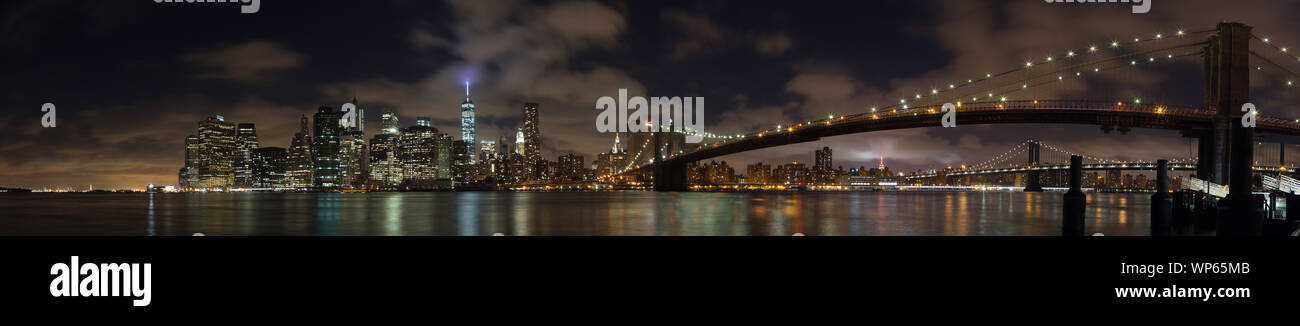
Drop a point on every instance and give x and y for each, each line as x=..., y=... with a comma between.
x=611, y=213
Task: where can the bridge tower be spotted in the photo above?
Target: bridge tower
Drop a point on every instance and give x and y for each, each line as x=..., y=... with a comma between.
x=668, y=176
x=1228, y=148
x=1033, y=179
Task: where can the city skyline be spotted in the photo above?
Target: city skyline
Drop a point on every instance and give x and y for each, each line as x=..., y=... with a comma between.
x=131, y=132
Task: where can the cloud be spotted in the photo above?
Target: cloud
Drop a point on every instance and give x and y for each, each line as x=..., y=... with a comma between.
x=696, y=33
x=513, y=53
x=256, y=61
x=422, y=38
x=774, y=44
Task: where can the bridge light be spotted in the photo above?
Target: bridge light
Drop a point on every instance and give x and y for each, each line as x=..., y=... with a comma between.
x=1283, y=49
x=918, y=96
x=1180, y=32
x=1151, y=59
x=1049, y=59
x=951, y=86
x=1096, y=69
x=1265, y=40
x=1114, y=44
x=1137, y=39
x=1092, y=48
x=1070, y=53
x=988, y=75
x=873, y=109
x=1078, y=74
x=934, y=91
x=1160, y=36
x=1290, y=83
x=1171, y=55
x=1029, y=64
x=1004, y=98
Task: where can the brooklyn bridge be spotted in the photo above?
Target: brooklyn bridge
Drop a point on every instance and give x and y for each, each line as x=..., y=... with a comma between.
x=1228, y=62
x=1225, y=142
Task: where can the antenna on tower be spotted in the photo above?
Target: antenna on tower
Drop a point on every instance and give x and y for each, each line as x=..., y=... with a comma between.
x=466, y=89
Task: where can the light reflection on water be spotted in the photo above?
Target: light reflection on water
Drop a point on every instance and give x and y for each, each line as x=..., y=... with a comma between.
x=598, y=213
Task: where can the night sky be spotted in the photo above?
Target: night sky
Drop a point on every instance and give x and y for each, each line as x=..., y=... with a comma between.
x=132, y=78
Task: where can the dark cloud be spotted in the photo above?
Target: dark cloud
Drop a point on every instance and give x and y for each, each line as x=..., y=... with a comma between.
x=257, y=61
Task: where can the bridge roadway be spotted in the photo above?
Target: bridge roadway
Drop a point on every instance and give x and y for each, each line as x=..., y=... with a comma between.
x=1137, y=166
x=1120, y=115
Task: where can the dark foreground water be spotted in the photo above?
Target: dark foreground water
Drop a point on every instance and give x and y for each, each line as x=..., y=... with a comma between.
x=542, y=213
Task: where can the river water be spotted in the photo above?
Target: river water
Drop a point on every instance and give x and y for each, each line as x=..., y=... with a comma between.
x=565, y=213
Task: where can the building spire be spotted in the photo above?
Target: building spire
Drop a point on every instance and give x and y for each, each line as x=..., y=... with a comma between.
x=615, y=150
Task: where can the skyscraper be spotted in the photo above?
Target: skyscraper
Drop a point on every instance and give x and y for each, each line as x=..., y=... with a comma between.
x=417, y=151
x=487, y=150
x=385, y=165
x=354, y=158
x=189, y=175
x=467, y=133
x=217, y=150
x=571, y=167
x=268, y=165
x=532, y=135
x=461, y=169
x=424, y=121
x=246, y=139
x=822, y=159
x=325, y=147
x=388, y=123
x=298, y=163
x=520, y=143
x=443, y=156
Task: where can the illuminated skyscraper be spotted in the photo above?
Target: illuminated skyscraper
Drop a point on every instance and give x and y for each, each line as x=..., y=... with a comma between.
x=467, y=123
x=385, y=164
x=354, y=158
x=424, y=121
x=532, y=135
x=246, y=140
x=189, y=175
x=417, y=151
x=388, y=123
x=520, y=142
x=268, y=167
x=487, y=150
x=217, y=152
x=822, y=159
x=443, y=156
x=298, y=164
x=325, y=147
